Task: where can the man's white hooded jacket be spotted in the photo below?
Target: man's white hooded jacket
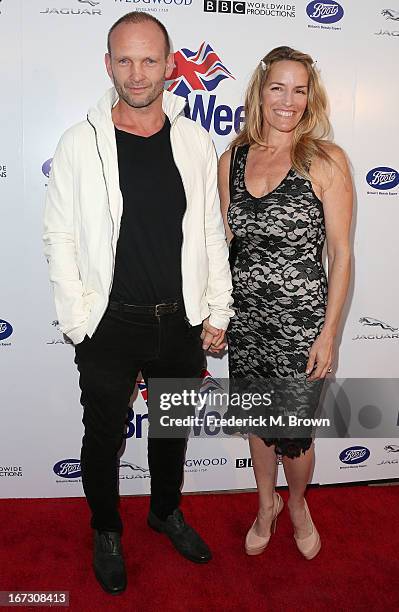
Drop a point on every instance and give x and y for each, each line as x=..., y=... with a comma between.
x=83, y=214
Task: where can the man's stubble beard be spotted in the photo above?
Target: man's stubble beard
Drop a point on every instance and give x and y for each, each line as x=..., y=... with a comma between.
x=156, y=90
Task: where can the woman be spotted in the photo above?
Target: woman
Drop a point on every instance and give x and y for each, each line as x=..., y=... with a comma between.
x=290, y=190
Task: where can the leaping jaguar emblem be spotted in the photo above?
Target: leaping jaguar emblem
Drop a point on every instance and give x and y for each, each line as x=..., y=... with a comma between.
x=91, y=2
x=390, y=14
x=392, y=448
x=377, y=323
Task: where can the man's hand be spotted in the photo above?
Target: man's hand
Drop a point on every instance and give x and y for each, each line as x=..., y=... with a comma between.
x=212, y=338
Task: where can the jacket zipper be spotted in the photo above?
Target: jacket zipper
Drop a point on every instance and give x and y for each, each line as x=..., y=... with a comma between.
x=109, y=204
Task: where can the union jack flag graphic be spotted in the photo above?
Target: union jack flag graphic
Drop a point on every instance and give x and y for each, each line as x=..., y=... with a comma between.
x=197, y=70
x=143, y=389
x=208, y=384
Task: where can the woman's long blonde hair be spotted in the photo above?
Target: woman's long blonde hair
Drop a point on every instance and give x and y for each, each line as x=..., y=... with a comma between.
x=314, y=128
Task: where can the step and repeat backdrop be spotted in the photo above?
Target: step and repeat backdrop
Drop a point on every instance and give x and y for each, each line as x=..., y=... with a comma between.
x=52, y=71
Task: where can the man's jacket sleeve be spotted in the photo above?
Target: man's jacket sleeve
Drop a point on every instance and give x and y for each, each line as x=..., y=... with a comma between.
x=60, y=247
x=219, y=288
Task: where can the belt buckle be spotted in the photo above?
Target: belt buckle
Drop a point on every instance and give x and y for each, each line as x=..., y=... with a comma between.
x=165, y=309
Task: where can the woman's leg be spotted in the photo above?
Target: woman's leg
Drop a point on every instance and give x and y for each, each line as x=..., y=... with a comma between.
x=264, y=465
x=297, y=472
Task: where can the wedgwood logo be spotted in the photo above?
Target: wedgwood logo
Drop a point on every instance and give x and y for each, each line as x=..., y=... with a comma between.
x=89, y=8
x=68, y=468
x=154, y=6
x=383, y=179
x=354, y=455
x=325, y=14
x=390, y=332
x=204, y=463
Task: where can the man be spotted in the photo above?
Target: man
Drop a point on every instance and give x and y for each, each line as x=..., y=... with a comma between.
x=139, y=265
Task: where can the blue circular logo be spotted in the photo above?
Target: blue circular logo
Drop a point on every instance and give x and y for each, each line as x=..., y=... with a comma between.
x=354, y=454
x=325, y=12
x=5, y=329
x=68, y=468
x=383, y=178
x=46, y=168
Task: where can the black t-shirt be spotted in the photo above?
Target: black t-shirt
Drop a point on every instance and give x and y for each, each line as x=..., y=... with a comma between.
x=148, y=254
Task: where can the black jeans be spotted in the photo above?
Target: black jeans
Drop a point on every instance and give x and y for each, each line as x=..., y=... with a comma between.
x=123, y=345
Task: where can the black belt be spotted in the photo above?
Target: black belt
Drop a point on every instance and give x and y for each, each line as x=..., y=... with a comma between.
x=156, y=310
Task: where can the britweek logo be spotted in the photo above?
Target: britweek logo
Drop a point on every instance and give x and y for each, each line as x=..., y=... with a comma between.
x=85, y=10
x=354, y=455
x=325, y=14
x=3, y=167
x=383, y=180
x=6, y=329
x=68, y=468
x=384, y=330
x=195, y=74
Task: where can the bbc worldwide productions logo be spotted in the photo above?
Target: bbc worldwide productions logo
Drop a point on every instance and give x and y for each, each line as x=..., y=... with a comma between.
x=236, y=7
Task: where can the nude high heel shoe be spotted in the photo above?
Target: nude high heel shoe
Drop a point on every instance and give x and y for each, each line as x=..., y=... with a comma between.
x=309, y=546
x=254, y=544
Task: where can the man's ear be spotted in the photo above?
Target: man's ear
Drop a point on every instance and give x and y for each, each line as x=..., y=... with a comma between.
x=170, y=64
x=107, y=60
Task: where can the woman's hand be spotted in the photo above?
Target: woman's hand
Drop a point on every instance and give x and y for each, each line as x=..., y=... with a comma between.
x=320, y=356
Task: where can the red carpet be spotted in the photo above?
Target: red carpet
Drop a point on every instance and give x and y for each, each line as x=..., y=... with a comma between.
x=46, y=545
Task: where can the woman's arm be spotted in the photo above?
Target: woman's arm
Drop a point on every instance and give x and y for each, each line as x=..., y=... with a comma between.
x=224, y=189
x=337, y=197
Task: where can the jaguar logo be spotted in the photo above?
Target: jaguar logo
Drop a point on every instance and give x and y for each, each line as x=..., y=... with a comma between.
x=390, y=14
x=132, y=466
x=91, y=2
x=376, y=323
x=392, y=448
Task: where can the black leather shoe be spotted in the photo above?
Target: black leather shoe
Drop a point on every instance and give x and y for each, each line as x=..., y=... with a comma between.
x=183, y=537
x=108, y=563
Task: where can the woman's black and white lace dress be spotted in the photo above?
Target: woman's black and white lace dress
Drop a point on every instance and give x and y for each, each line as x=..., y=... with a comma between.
x=280, y=287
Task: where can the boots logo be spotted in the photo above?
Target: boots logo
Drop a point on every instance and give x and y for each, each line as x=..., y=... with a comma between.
x=383, y=178
x=354, y=454
x=68, y=468
x=376, y=323
x=6, y=329
x=46, y=167
x=325, y=12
